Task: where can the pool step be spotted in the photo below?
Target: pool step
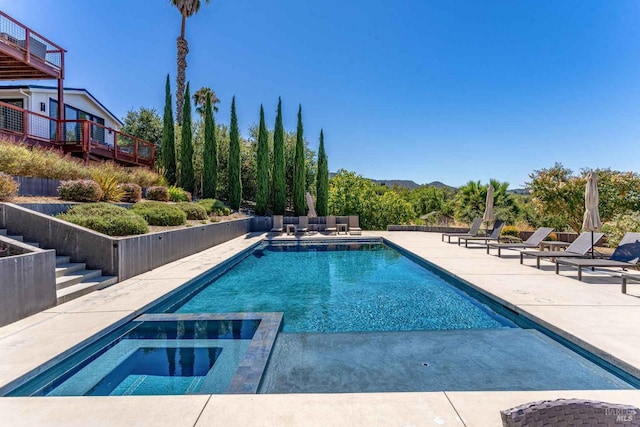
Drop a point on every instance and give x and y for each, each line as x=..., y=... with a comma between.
x=84, y=287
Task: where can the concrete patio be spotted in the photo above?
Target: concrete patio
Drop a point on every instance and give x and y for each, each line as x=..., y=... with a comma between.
x=593, y=313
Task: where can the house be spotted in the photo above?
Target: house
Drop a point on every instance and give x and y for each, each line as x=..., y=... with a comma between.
x=79, y=124
x=79, y=104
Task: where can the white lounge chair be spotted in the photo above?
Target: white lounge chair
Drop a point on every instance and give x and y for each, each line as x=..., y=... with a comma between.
x=331, y=225
x=577, y=249
x=532, y=242
x=473, y=231
x=278, y=221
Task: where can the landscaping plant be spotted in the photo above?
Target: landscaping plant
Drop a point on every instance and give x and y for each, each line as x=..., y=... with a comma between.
x=106, y=218
x=132, y=193
x=193, y=210
x=8, y=187
x=158, y=193
x=177, y=194
x=157, y=213
x=81, y=190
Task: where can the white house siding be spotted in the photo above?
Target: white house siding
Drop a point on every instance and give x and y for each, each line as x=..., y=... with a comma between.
x=39, y=126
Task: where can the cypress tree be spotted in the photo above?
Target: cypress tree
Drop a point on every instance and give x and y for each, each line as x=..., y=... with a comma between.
x=299, y=175
x=322, y=180
x=262, y=197
x=234, y=166
x=279, y=165
x=187, y=176
x=168, y=138
x=210, y=160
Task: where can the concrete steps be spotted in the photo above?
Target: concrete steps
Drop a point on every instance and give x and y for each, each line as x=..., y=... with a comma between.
x=84, y=287
x=72, y=278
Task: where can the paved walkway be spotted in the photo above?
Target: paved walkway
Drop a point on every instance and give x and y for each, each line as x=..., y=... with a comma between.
x=593, y=312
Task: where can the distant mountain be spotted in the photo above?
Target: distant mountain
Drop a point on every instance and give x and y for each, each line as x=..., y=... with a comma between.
x=405, y=183
x=522, y=191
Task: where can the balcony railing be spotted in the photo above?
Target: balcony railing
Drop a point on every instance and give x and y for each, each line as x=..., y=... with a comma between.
x=79, y=135
x=32, y=44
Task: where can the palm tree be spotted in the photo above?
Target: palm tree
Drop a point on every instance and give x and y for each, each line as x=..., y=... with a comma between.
x=187, y=8
x=200, y=99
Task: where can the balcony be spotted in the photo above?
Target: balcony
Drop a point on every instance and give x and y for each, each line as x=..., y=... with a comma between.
x=25, y=54
x=82, y=138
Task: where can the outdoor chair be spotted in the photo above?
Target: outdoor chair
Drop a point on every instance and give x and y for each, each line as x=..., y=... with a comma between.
x=278, y=221
x=532, y=242
x=570, y=412
x=303, y=225
x=578, y=249
x=626, y=277
x=354, y=225
x=494, y=236
x=626, y=255
x=473, y=231
x=331, y=225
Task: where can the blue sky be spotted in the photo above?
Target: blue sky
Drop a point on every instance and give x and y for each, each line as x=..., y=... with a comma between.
x=447, y=90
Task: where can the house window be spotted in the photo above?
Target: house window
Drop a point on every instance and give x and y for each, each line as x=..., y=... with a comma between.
x=73, y=130
x=12, y=120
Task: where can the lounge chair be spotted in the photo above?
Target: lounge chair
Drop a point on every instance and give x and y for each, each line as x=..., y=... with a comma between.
x=577, y=249
x=303, y=225
x=626, y=277
x=354, y=225
x=278, y=221
x=626, y=255
x=494, y=236
x=532, y=242
x=331, y=225
x=473, y=231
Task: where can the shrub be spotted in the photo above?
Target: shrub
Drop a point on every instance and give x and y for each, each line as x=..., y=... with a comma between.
x=193, y=210
x=214, y=207
x=177, y=194
x=619, y=225
x=131, y=193
x=109, y=185
x=510, y=230
x=107, y=219
x=8, y=187
x=82, y=190
x=156, y=213
x=552, y=237
x=161, y=194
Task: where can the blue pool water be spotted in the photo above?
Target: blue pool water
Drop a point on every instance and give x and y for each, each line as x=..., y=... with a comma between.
x=366, y=287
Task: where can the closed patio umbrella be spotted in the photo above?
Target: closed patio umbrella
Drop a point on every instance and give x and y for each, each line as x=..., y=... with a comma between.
x=489, y=214
x=591, y=221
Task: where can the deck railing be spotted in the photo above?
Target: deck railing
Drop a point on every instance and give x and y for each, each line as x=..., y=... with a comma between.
x=88, y=136
x=31, y=43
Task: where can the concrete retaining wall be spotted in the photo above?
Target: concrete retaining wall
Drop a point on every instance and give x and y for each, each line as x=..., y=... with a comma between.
x=124, y=257
x=27, y=284
x=31, y=186
x=54, y=209
x=138, y=254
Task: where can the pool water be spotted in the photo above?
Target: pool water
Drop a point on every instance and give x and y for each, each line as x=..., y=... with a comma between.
x=342, y=288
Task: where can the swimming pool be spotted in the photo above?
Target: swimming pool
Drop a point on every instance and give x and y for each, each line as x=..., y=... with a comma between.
x=354, y=317
x=341, y=288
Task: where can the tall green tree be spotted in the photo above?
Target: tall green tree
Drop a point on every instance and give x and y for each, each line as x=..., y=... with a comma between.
x=262, y=196
x=187, y=177
x=186, y=8
x=279, y=165
x=234, y=181
x=210, y=155
x=299, y=175
x=202, y=96
x=168, y=138
x=145, y=124
x=322, y=179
